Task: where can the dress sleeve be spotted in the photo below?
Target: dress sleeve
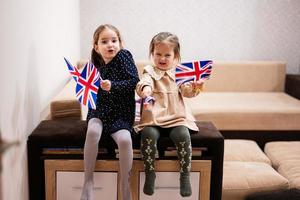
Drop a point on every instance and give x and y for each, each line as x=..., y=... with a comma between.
x=146, y=80
x=188, y=91
x=129, y=84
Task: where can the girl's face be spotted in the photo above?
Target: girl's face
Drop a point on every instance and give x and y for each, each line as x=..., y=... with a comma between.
x=163, y=55
x=108, y=45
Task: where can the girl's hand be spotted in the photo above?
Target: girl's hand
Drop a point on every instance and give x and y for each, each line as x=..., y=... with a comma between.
x=197, y=85
x=147, y=91
x=105, y=85
x=188, y=86
x=148, y=103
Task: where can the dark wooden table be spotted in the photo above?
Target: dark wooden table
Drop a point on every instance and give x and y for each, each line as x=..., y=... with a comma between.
x=71, y=134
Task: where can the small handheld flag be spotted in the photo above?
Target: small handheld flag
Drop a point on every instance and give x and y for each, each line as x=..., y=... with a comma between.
x=73, y=70
x=146, y=102
x=88, y=85
x=149, y=100
x=193, y=71
x=88, y=82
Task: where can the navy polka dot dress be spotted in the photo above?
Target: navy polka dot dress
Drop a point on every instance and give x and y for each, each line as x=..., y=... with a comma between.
x=116, y=108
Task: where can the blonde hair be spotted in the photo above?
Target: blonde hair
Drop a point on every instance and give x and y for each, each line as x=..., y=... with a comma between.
x=96, y=57
x=165, y=37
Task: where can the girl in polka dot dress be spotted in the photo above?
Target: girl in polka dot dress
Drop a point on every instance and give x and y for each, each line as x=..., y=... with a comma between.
x=115, y=107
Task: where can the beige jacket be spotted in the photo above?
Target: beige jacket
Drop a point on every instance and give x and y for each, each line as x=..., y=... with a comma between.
x=169, y=109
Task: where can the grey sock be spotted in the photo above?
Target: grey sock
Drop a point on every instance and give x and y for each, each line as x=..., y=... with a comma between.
x=90, y=155
x=87, y=191
x=123, y=140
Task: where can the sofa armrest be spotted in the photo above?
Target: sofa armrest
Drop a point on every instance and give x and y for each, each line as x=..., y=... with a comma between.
x=292, y=85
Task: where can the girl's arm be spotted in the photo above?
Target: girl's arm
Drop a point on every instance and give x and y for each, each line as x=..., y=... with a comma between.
x=125, y=86
x=146, y=83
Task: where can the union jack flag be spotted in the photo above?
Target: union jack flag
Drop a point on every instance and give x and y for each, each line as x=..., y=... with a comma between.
x=138, y=101
x=149, y=100
x=73, y=70
x=87, y=85
x=193, y=71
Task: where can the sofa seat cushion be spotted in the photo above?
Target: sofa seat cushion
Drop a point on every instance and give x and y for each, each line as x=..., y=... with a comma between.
x=244, y=150
x=247, y=110
x=291, y=170
x=281, y=152
x=243, y=178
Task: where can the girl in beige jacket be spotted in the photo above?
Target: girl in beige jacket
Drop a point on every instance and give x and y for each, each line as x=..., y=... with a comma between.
x=168, y=115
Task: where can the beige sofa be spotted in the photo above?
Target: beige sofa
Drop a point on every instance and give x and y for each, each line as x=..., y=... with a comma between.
x=239, y=96
x=248, y=171
x=247, y=96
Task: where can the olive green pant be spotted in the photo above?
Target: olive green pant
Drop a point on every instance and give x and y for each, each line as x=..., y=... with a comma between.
x=181, y=137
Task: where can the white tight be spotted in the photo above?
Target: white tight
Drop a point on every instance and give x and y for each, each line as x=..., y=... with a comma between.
x=123, y=140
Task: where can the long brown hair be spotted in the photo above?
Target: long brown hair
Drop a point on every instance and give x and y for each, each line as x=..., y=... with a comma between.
x=96, y=57
x=162, y=37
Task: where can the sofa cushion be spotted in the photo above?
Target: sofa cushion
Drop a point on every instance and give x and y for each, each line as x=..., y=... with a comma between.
x=65, y=109
x=291, y=170
x=247, y=110
x=281, y=152
x=243, y=178
x=66, y=105
x=244, y=150
x=241, y=76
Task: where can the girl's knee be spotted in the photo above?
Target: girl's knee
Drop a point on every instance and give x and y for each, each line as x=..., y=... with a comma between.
x=125, y=142
x=93, y=134
x=180, y=134
x=123, y=139
x=94, y=129
x=149, y=133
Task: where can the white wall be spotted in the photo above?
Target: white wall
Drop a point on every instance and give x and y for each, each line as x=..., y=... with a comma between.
x=215, y=29
x=34, y=37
